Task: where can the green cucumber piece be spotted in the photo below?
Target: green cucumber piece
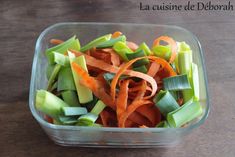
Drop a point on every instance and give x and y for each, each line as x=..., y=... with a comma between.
x=137, y=54
x=98, y=108
x=187, y=112
x=165, y=102
x=60, y=59
x=145, y=48
x=111, y=42
x=65, y=79
x=141, y=68
x=74, y=111
x=87, y=119
x=53, y=76
x=96, y=42
x=84, y=93
x=122, y=49
x=162, y=51
x=62, y=48
x=49, y=104
x=70, y=97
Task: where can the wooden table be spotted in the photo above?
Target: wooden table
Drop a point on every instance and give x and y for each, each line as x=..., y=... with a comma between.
x=21, y=23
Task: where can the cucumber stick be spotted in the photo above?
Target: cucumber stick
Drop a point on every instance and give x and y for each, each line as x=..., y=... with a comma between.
x=195, y=81
x=49, y=104
x=122, y=49
x=96, y=42
x=84, y=93
x=71, y=43
x=70, y=97
x=184, y=64
x=65, y=79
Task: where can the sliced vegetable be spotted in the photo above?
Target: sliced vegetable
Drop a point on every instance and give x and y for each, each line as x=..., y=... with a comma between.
x=111, y=42
x=67, y=120
x=141, y=69
x=50, y=50
x=96, y=42
x=87, y=119
x=145, y=48
x=60, y=59
x=187, y=112
x=54, y=86
x=74, y=111
x=98, y=108
x=162, y=51
x=71, y=98
x=84, y=93
x=72, y=43
x=171, y=43
x=184, y=62
x=175, y=83
x=165, y=102
x=122, y=49
x=138, y=54
x=53, y=76
x=65, y=80
x=49, y=104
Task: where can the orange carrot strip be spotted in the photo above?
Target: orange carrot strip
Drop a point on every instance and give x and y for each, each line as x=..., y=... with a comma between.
x=104, y=118
x=121, y=102
x=133, y=46
x=138, y=119
x=153, y=69
x=137, y=88
x=94, y=85
x=116, y=34
x=115, y=59
x=131, y=108
x=172, y=44
x=56, y=41
x=154, y=116
x=140, y=75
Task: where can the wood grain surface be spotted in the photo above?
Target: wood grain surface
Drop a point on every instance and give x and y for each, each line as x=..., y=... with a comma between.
x=21, y=23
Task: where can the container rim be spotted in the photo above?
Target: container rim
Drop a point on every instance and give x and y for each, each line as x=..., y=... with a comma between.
x=110, y=129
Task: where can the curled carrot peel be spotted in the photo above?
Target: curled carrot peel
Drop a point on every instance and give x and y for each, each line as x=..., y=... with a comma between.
x=56, y=41
x=153, y=69
x=152, y=114
x=123, y=70
x=121, y=102
x=104, y=118
x=116, y=34
x=114, y=57
x=131, y=108
x=172, y=44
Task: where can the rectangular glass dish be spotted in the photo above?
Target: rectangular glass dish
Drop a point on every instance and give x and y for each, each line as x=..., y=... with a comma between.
x=114, y=137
